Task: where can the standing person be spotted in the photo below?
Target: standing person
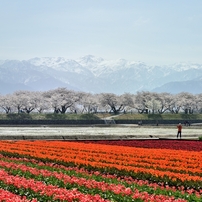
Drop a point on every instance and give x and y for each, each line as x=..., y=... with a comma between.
x=179, y=128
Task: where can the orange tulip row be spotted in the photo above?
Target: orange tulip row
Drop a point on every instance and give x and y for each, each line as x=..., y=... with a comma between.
x=176, y=164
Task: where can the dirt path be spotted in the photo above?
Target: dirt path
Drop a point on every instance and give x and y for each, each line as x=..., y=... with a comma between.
x=122, y=132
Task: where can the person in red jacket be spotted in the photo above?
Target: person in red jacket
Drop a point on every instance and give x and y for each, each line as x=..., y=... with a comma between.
x=179, y=130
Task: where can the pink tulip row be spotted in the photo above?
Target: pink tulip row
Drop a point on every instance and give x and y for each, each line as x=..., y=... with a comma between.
x=48, y=190
x=91, y=184
x=10, y=197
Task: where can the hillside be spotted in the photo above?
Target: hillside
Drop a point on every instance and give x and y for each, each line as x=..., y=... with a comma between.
x=96, y=75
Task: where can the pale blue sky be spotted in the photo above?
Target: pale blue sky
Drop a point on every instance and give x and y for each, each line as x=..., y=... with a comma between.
x=156, y=32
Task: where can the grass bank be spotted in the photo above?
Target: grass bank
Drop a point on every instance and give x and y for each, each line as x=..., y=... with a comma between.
x=127, y=116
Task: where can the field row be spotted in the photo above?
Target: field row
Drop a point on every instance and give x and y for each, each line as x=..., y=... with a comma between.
x=76, y=171
x=188, y=145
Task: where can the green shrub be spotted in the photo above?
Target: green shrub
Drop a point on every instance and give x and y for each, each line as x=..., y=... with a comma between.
x=189, y=116
x=155, y=116
x=89, y=117
x=200, y=138
x=19, y=116
x=55, y=116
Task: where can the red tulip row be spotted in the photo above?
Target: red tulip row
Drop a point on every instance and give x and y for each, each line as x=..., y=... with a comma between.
x=189, y=145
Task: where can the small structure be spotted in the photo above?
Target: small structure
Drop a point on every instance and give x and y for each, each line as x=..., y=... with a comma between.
x=109, y=121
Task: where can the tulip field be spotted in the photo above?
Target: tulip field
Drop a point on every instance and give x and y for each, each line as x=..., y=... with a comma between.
x=101, y=171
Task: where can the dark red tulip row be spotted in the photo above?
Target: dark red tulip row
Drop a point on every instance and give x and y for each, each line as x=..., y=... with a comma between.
x=189, y=145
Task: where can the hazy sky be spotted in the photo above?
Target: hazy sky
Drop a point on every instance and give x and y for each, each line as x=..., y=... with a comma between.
x=151, y=31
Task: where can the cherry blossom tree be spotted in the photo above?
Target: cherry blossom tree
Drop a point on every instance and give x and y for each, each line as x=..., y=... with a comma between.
x=6, y=103
x=62, y=99
x=128, y=101
x=114, y=102
x=174, y=106
x=26, y=101
x=164, y=101
x=40, y=101
x=198, y=103
x=186, y=102
x=19, y=100
x=89, y=103
x=142, y=101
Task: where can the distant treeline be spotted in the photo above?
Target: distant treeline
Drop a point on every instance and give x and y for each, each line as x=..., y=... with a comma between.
x=62, y=100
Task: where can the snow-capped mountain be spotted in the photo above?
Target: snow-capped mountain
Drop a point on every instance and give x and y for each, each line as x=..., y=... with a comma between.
x=96, y=75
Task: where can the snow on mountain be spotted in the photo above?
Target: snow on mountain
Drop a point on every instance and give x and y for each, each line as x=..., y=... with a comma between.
x=47, y=61
x=96, y=75
x=58, y=63
x=99, y=66
x=186, y=66
x=90, y=60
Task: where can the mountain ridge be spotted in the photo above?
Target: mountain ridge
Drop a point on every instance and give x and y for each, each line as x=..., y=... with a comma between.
x=96, y=75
